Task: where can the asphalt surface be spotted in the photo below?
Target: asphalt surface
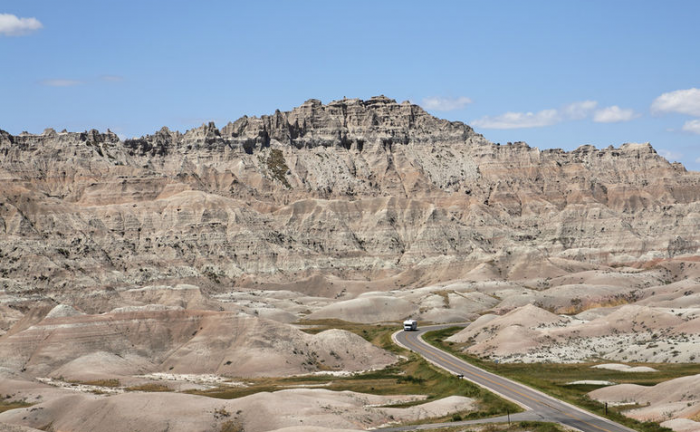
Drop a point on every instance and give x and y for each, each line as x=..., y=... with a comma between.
x=538, y=406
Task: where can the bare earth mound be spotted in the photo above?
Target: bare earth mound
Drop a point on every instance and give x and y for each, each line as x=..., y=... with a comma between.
x=367, y=310
x=134, y=341
x=258, y=412
x=624, y=368
x=676, y=398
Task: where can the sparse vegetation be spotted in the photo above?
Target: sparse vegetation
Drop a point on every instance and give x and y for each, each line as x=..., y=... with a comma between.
x=445, y=297
x=10, y=405
x=231, y=426
x=221, y=413
x=211, y=275
x=150, y=387
x=278, y=167
x=112, y=383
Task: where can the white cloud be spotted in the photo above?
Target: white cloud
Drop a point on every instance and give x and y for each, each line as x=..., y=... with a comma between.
x=60, y=82
x=679, y=101
x=548, y=117
x=578, y=110
x=11, y=25
x=445, y=104
x=515, y=120
x=671, y=155
x=692, y=126
x=614, y=114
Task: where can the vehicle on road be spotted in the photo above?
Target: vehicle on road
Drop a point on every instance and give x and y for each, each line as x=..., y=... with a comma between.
x=410, y=325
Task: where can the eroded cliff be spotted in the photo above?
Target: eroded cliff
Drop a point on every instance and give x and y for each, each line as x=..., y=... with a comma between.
x=355, y=190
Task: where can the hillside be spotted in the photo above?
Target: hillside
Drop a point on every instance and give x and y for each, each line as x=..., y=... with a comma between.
x=353, y=190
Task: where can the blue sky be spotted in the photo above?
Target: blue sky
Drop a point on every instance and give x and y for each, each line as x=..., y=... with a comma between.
x=551, y=73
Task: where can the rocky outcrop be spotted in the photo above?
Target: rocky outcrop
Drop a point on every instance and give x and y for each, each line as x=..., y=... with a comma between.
x=354, y=189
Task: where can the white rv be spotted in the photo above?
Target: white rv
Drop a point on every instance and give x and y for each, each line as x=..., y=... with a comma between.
x=410, y=325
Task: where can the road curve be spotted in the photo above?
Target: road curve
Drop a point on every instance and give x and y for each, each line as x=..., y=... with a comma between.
x=538, y=405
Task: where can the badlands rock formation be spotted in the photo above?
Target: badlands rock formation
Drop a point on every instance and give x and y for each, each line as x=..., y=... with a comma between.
x=357, y=190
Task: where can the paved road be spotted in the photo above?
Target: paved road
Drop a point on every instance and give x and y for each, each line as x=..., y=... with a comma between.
x=538, y=405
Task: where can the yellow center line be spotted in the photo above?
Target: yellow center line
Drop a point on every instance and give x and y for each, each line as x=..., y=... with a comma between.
x=463, y=369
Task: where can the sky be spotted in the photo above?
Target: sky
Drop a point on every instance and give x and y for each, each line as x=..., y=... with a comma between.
x=555, y=74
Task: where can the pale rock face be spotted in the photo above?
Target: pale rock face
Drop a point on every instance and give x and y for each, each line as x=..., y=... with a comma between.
x=352, y=189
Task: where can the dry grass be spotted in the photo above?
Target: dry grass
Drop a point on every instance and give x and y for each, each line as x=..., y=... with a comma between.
x=7, y=406
x=232, y=426
x=112, y=383
x=150, y=387
x=577, y=305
